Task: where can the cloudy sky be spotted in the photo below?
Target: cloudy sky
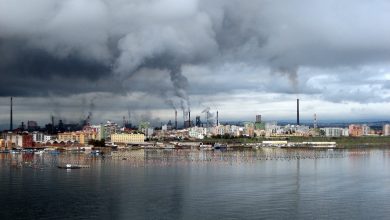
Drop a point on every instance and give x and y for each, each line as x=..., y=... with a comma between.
x=148, y=57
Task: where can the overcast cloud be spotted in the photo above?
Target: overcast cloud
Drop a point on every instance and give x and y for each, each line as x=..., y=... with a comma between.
x=152, y=56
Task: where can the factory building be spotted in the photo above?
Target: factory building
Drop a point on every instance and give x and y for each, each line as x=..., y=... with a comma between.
x=32, y=125
x=198, y=123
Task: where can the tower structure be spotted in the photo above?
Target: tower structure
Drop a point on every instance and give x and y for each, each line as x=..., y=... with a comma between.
x=258, y=118
x=11, y=119
x=297, y=111
x=175, y=119
x=217, y=119
x=189, y=119
x=197, y=121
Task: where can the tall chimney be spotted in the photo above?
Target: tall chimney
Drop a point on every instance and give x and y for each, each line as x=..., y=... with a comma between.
x=52, y=124
x=217, y=119
x=175, y=119
x=189, y=119
x=10, y=119
x=297, y=111
x=207, y=119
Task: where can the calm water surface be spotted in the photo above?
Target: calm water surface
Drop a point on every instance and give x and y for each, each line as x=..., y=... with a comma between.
x=193, y=184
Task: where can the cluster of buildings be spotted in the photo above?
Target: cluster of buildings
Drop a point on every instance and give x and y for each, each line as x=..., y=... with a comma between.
x=355, y=130
x=272, y=129
x=109, y=132
x=250, y=129
x=31, y=136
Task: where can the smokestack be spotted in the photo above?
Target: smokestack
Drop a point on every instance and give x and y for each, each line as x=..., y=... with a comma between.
x=175, y=119
x=297, y=111
x=10, y=119
x=207, y=119
x=52, y=124
x=217, y=119
x=189, y=119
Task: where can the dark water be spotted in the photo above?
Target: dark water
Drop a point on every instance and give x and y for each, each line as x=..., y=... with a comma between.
x=262, y=184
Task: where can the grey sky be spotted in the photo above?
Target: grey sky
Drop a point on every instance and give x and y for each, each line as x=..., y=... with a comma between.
x=242, y=57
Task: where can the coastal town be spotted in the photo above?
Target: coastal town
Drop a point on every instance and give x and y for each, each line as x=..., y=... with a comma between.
x=249, y=134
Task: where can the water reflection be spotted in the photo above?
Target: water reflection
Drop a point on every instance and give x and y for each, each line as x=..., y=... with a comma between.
x=197, y=184
x=150, y=157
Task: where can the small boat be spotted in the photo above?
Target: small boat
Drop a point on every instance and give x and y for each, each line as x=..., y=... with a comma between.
x=69, y=166
x=168, y=146
x=40, y=152
x=95, y=152
x=54, y=152
x=72, y=166
x=220, y=146
x=206, y=146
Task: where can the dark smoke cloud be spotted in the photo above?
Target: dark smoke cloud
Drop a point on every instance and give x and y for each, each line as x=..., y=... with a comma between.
x=64, y=48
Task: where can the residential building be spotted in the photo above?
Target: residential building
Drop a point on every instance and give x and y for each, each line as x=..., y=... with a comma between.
x=386, y=130
x=127, y=138
x=355, y=130
x=110, y=128
x=18, y=140
x=47, y=138
x=38, y=136
x=365, y=129
x=81, y=137
x=197, y=132
x=98, y=129
x=345, y=132
x=27, y=140
x=150, y=132
x=333, y=132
